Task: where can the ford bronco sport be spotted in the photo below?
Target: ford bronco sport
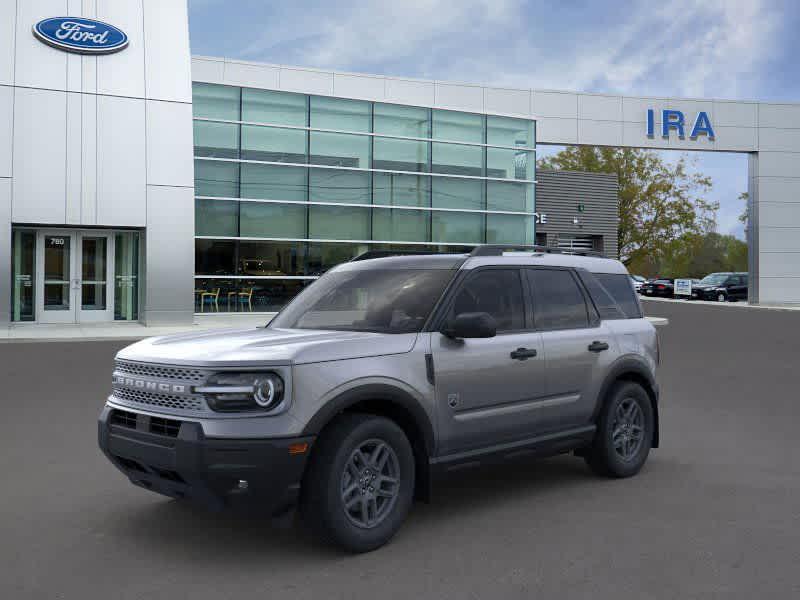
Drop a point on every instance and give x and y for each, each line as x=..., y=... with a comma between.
x=384, y=372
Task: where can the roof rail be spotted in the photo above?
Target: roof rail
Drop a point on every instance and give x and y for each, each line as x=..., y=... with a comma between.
x=499, y=249
x=387, y=253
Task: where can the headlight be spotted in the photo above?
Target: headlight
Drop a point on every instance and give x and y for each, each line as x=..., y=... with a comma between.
x=720, y=289
x=237, y=392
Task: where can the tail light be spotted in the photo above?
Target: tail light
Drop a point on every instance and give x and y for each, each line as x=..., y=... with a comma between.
x=661, y=287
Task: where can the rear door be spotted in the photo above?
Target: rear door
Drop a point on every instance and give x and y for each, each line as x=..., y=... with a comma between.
x=739, y=287
x=578, y=347
x=487, y=389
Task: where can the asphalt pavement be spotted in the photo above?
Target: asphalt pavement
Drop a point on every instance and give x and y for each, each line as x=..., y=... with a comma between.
x=714, y=514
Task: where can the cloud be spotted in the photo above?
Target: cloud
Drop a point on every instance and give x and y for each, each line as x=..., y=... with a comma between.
x=686, y=47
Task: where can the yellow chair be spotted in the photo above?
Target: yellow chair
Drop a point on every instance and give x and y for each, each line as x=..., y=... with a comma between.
x=246, y=295
x=211, y=297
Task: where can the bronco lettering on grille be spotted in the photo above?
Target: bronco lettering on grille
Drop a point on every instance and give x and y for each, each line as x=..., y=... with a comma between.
x=154, y=386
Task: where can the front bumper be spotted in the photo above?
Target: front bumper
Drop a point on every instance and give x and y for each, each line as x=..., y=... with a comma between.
x=174, y=458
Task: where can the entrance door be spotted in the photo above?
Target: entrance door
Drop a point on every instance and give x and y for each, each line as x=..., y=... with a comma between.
x=73, y=272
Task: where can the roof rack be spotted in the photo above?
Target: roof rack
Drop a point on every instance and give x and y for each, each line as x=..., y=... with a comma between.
x=386, y=253
x=499, y=249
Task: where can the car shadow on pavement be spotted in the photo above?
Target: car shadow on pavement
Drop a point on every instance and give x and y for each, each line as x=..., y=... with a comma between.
x=171, y=526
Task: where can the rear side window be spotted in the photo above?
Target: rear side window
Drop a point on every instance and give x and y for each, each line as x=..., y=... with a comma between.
x=621, y=289
x=607, y=306
x=558, y=301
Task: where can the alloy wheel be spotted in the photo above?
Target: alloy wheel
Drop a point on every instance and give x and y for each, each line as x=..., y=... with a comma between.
x=370, y=483
x=628, y=429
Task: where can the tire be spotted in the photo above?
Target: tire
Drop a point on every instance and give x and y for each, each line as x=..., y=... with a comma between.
x=721, y=297
x=604, y=457
x=336, y=466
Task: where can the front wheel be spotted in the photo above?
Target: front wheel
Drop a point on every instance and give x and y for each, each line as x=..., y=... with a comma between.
x=360, y=484
x=624, y=432
x=721, y=297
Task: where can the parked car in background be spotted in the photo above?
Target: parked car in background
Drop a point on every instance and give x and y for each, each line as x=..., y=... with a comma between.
x=638, y=281
x=661, y=288
x=722, y=287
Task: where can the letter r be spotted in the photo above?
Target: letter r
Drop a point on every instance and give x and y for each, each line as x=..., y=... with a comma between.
x=672, y=119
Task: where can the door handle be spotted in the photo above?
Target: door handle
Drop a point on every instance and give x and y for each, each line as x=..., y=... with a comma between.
x=523, y=353
x=596, y=346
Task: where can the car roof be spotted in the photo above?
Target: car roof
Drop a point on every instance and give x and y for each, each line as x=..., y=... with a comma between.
x=593, y=264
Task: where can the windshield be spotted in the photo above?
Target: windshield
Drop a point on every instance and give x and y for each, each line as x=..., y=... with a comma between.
x=379, y=300
x=714, y=279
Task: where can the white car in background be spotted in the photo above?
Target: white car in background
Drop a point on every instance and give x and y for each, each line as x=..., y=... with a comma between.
x=637, y=281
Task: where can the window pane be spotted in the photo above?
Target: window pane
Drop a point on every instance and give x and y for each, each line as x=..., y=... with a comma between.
x=407, y=121
x=509, y=164
x=457, y=159
x=273, y=182
x=450, y=192
x=401, y=190
x=621, y=289
x=335, y=185
x=212, y=178
x=126, y=276
x=507, y=131
x=339, y=222
x=260, y=219
x=216, y=139
x=457, y=126
x=281, y=108
x=216, y=217
x=558, y=301
x=497, y=292
x=23, y=259
x=337, y=113
x=272, y=295
x=502, y=195
x=214, y=257
x=215, y=101
x=323, y=256
x=401, y=225
x=215, y=295
x=466, y=228
x=271, y=258
x=339, y=150
x=400, y=155
x=509, y=229
x=273, y=144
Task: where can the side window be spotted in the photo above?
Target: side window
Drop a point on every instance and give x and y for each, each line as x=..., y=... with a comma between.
x=621, y=290
x=494, y=291
x=558, y=301
x=607, y=306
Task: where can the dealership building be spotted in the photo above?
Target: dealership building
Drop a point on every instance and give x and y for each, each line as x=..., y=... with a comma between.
x=139, y=183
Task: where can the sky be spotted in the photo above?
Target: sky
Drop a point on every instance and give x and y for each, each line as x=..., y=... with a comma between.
x=733, y=49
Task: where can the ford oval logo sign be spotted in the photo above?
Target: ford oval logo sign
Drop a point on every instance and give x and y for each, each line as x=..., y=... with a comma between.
x=76, y=34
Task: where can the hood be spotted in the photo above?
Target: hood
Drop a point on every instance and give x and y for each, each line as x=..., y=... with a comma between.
x=251, y=347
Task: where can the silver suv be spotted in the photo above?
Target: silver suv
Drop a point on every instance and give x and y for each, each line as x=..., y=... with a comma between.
x=384, y=372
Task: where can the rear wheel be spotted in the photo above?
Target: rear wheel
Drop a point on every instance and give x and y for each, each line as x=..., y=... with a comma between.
x=360, y=483
x=624, y=432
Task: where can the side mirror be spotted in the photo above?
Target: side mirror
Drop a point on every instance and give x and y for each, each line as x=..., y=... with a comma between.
x=471, y=325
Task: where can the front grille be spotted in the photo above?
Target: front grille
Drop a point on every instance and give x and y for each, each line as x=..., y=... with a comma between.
x=125, y=367
x=123, y=418
x=164, y=426
x=168, y=401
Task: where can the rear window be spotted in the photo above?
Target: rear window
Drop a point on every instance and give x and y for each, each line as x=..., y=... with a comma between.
x=620, y=288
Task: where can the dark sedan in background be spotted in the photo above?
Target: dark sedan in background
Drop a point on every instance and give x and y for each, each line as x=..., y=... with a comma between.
x=722, y=287
x=661, y=288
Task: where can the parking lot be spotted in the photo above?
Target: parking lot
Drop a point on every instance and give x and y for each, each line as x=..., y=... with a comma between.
x=714, y=514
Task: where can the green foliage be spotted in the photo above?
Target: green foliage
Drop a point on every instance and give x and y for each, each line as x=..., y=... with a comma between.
x=660, y=203
x=695, y=255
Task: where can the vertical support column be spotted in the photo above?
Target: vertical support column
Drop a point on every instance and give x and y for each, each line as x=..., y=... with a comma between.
x=5, y=250
x=752, y=228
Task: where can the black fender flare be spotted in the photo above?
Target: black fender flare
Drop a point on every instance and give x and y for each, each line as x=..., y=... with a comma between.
x=377, y=392
x=629, y=367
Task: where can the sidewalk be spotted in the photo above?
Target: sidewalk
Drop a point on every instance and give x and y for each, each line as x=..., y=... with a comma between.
x=88, y=332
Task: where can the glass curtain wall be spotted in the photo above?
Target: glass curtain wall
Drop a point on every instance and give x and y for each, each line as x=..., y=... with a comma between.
x=289, y=185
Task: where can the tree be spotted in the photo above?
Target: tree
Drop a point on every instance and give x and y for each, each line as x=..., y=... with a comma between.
x=659, y=202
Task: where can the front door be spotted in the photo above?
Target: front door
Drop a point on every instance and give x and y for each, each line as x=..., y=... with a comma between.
x=488, y=390
x=73, y=272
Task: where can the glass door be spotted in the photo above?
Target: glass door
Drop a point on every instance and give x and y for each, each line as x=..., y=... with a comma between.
x=73, y=277
x=56, y=277
x=95, y=276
